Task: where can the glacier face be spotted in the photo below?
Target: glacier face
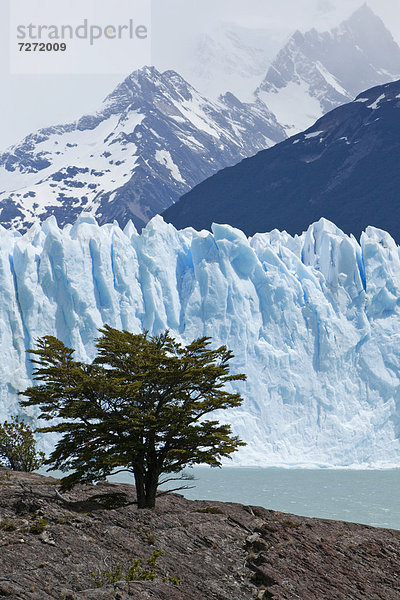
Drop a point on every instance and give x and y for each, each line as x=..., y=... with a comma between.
x=313, y=320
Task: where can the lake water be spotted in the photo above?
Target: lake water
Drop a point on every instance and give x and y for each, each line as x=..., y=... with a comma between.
x=370, y=497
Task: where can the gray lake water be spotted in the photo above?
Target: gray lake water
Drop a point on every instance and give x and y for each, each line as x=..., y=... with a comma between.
x=370, y=497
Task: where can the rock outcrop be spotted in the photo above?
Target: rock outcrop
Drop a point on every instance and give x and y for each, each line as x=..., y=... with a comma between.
x=61, y=547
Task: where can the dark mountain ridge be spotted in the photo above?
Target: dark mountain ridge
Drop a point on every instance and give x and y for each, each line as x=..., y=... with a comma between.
x=344, y=168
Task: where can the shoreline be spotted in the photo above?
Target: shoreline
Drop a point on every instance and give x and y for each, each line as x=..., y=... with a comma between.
x=224, y=550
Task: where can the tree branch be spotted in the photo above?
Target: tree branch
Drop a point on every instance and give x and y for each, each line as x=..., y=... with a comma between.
x=183, y=487
x=122, y=471
x=186, y=478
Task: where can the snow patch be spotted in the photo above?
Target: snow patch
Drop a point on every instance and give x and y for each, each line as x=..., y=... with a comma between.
x=294, y=106
x=164, y=158
x=314, y=134
x=375, y=104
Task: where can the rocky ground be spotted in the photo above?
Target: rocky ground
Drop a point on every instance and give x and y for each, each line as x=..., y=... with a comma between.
x=61, y=548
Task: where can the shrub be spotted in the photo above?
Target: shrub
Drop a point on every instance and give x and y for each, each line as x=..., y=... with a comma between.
x=38, y=526
x=18, y=447
x=7, y=525
x=210, y=510
x=135, y=572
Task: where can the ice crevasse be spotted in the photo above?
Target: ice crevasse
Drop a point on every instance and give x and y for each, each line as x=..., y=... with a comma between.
x=313, y=320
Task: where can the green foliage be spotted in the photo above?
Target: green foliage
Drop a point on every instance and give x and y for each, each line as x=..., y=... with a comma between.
x=104, y=577
x=293, y=524
x=151, y=539
x=5, y=478
x=140, y=406
x=152, y=561
x=7, y=525
x=135, y=572
x=38, y=526
x=210, y=510
x=18, y=447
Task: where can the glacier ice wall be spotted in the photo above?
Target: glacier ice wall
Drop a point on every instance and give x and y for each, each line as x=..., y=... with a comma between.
x=314, y=321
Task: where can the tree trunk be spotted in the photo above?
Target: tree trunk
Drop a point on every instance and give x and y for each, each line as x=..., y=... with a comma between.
x=140, y=489
x=146, y=488
x=151, y=488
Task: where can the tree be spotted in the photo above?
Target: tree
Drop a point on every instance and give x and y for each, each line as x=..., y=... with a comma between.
x=140, y=406
x=18, y=447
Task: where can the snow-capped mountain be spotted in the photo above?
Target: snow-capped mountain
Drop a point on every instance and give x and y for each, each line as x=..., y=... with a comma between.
x=153, y=139
x=313, y=321
x=316, y=72
x=230, y=57
x=344, y=168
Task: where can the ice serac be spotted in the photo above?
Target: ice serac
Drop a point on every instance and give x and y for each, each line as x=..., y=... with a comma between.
x=316, y=72
x=153, y=138
x=313, y=320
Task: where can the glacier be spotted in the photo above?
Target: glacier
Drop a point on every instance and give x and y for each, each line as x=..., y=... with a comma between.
x=313, y=320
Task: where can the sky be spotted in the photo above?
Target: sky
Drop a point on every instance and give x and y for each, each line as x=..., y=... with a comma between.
x=42, y=90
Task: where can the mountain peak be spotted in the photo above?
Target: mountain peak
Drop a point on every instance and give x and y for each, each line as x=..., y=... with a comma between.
x=143, y=85
x=148, y=70
x=316, y=72
x=129, y=87
x=364, y=12
x=153, y=138
x=363, y=19
x=151, y=73
x=148, y=73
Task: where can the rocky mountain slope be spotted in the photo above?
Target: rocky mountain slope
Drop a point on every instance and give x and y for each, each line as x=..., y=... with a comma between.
x=57, y=549
x=316, y=72
x=153, y=138
x=344, y=168
x=312, y=320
